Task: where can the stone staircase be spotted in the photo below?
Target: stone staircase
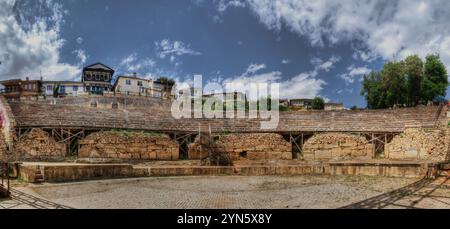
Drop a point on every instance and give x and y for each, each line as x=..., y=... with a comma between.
x=39, y=176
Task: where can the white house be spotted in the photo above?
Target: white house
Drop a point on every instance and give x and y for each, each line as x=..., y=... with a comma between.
x=64, y=88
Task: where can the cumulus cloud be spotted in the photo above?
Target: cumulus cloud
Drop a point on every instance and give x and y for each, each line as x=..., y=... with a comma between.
x=173, y=49
x=303, y=85
x=30, y=40
x=384, y=28
x=132, y=63
x=354, y=72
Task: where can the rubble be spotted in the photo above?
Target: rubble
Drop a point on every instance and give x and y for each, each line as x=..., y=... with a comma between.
x=337, y=146
x=420, y=144
x=39, y=145
x=129, y=146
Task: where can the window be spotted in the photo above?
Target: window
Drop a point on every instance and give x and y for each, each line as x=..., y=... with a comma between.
x=75, y=88
x=62, y=89
x=128, y=82
x=97, y=77
x=49, y=87
x=139, y=83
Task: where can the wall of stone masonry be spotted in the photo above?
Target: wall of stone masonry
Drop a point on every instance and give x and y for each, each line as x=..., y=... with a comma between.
x=337, y=146
x=419, y=144
x=40, y=146
x=256, y=146
x=129, y=146
x=8, y=124
x=197, y=150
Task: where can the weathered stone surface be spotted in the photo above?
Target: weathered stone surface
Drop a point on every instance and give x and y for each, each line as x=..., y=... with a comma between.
x=419, y=144
x=129, y=146
x=336, y=146
x=256, y=146
x=39, y=145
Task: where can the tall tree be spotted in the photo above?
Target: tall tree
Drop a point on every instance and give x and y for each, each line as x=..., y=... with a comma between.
x=414, y=79
x=394, y=83
x=436, y=79
x=372, y=90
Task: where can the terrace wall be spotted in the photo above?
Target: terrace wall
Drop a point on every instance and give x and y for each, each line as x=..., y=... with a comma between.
x=337, y=146
x=263, y=146
x=129, y=146
x=420, y=144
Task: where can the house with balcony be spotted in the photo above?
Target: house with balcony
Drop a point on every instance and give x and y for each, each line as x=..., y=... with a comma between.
x=97, y=78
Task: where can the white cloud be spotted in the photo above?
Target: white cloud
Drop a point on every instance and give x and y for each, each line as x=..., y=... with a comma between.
x=303, y=85
x=173, y=49
x=253, y=68
x=30, y=40
x=325, y=65
x=285, y=61
x=223, y=5
x=81, y=55
x=132, y=63
x=354, y=72
x=385, y=28
x=79, y=40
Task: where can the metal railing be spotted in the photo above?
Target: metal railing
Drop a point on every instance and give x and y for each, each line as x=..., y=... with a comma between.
x=4, y=184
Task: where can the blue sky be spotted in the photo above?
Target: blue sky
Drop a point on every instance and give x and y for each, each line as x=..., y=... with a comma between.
x=309, y=47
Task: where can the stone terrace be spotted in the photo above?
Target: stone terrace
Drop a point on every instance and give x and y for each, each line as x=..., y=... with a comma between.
x=158, y=118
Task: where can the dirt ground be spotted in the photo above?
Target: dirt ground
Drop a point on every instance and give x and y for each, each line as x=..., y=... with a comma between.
x=238, y=192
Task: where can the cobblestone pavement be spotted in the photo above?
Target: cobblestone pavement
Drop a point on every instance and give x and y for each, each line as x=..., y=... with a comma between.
x=248, y=192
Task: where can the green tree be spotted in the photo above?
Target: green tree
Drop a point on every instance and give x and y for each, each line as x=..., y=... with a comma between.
x=166, y=81
x=318, y=103
x=56, y=90
x=394, y=83
x=373, y=91
x=414, y=79
x=435, y=79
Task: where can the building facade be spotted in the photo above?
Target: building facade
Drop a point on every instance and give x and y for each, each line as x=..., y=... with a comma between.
x=17, y=88
x=133, y=85
x=97, y=78
x=304, y=104
x=334, y=106
x=63, y=88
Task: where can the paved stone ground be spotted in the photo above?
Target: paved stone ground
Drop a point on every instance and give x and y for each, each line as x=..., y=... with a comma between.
x=242, y=192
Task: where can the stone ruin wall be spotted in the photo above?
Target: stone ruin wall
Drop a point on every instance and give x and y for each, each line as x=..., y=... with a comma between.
x=39, y=145
x=128, y=146
x=337, y=146
x=7, y=134
x=420, y=144
x=249, y=146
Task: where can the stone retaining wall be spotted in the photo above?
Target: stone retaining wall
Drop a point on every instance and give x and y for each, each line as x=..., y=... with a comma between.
x=336, y=146
x=65, y=172
x=8, y=124
x=39, y=145
x=256, y=146
x=417, y=143
x=129, y=146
